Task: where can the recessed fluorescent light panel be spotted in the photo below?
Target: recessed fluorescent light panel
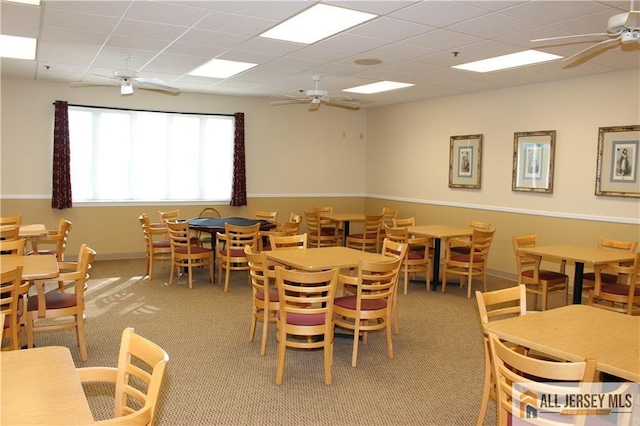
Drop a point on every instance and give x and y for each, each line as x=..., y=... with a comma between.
x=17, y=47
x=519, y=59
x=316, y=23
x=219, y=68
x=32, y=2
x=381, y=86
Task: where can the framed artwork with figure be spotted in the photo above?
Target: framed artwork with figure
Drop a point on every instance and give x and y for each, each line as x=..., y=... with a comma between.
x=617, y=162
x=533, y=157
x=465, y=161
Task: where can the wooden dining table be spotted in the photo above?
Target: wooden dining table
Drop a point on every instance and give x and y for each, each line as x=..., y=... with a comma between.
x=323, y=258
x=577, y=332
x=580, y=255
x=40, y=386
x=345, y=219
x=439, y=233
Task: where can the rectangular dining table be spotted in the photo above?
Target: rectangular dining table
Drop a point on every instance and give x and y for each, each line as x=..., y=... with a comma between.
x=323, y=258
x=577, y=332
x=439, y=233
x=40, y=386
x=580, y=255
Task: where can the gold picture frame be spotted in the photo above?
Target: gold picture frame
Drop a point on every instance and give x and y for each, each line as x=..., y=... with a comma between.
x=533, y=158
x=465, y=161
x=617, y=162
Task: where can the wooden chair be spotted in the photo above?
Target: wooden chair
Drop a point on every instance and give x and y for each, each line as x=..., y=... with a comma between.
x=265, y=295
x=138, y=379
x=389, y=214
x=205, y=237
x=419, y=256
x=184, y=255
x=539, y=282
x=58, y=305
x=404, y=222
x=621, y=296
x=370, y=308
x=305, y=319
x=473, y=224
x=589, y=278
x=326, y=223
x=395, y=250
x=265, y=215
x=321, y=232
x=11, y=291
x=468, y=265
x=157, y=247
x=369, y=238
x=494, y=305
x=11, y=220
x=57, y=238
x=169, y=215
x=13, y=247
x=284, y=242
x=230, y=249
x=9, y=232
x=510, y=367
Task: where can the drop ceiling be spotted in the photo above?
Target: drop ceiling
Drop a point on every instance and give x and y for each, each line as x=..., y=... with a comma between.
x=417, y=42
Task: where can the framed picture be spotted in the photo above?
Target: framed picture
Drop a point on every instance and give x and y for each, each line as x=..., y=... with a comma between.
x=617, y=167
x=533, y=155
x=465, y=156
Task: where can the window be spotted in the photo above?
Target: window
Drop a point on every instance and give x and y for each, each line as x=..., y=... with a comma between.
x=125, y=155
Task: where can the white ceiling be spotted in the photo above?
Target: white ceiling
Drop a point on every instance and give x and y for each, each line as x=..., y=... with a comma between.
x=414, y=39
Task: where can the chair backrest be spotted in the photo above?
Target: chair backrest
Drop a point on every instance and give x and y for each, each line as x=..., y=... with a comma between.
x=374, y=281
x=481, y=243
x=323, y=209
x=11, y=220
x=9, y=232
x=397, y=234
x=307, y=293
x=621, y=296
x=81, y=274
x=240, y=236
x=372, y=224
x=13, y=247
x=259, y=273
x=510, y=367
x=138, y=382
x=169, y=216
x=525, y=262
x=209, y=212
x=284, y=242
x=10, y=283
x=293, y=217
x=389, y=215
x=394, y=249
x=405, y=222
x=499, y=304
x=179, y=237
x=62, y=237
x=483, y=226
x=617, y=245
x=289, y=228
x=266, y=215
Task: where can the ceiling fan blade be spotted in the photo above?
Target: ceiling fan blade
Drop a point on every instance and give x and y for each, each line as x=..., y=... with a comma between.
x=290, y=102
x=144, y=83
x=343, y=104
x=314, y=106
x=569, y=36
x=633, y=20
x=94, y=83
x=591, y=50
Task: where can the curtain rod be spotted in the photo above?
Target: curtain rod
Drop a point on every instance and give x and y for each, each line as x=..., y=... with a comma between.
x=149, y=110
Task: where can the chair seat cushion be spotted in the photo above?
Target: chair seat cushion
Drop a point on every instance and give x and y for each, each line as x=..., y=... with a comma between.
x=53, y=301
x=619, y=289
x=7, y=320
x=273, y=295
x=462, y=250
x=304, y=319
x=606, y=278
x=545, y=275
x=369, y=236
x=415, y=255
x=349, y=302
x=328, y=232
x=161, y=244
x=194, y=250
x=466, y=258
x=233, y=252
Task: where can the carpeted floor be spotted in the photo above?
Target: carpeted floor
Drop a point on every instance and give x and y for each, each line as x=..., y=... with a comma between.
x=217, y=377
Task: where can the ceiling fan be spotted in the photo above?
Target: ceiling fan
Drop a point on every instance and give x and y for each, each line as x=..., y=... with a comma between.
x=128, y=79
x=316, y=97
x=623, y=28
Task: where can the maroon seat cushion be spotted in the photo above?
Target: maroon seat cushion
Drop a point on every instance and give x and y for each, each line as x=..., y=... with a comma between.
x=415, y=255
x=349, y=302
x=620, y=289
x=194, y=250
x=233, y=252
x=465, y=258
x=7, y=320
x=161, y=244
x=462, y=250
x=53, y=301
x=606, y=278
x=304, y=319
x=273, y=295
x=545, y=275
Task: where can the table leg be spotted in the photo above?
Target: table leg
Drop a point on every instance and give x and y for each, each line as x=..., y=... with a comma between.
x=577, y=283
x=436, y=264
x=346, y=233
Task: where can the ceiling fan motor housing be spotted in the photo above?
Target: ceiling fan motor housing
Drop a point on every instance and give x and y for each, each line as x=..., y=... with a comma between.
x=124, y=74
x=316, y=93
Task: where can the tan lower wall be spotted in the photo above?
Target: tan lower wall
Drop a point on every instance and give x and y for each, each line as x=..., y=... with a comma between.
x=114, y=232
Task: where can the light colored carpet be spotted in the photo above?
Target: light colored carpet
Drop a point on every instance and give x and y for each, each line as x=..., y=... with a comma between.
x=217, y=377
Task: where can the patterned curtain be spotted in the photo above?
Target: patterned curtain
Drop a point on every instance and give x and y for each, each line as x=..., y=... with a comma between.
x=239, y=186
x=61, y=191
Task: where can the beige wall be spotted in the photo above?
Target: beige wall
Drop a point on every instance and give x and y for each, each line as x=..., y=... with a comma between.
x=395, y=156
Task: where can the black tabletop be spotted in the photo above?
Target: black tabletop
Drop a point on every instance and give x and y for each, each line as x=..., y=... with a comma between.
x=210, y=224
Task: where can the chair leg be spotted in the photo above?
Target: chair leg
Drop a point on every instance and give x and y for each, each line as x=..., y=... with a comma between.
x=328, y=357
x=394, y=306
x=82, y=341
x=406, y=278
x=30, y=330
x=190, y=275
x=356, y=339
x=470, y=283
x=171, y=273
x=282, y=347
x=265, y=331
x=486, y=388
x=226, y=279
x=389, y=336
x=444, y=279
